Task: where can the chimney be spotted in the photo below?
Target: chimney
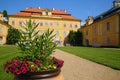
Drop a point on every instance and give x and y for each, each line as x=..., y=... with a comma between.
x=39, y=7
x=116, y=3
x=89, y=20
x=26, y=7
x=65, y=11
x=53, y=8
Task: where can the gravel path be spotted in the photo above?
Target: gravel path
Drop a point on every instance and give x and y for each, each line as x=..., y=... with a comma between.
x=76, y=68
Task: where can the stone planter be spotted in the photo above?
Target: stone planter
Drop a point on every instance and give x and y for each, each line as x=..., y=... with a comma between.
x=42, y=75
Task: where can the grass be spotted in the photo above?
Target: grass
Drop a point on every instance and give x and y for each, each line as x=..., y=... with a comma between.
x=7, y=53
x=107, y=57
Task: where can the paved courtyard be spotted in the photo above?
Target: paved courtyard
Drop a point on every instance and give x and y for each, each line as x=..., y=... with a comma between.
x=76, y=68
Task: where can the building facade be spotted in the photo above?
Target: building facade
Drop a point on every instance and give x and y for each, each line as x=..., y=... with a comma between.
x=3, y=32
x=104, y=29
x=58, y=20
x=1, y=16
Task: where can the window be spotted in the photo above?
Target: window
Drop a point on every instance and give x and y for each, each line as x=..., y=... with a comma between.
x=0, y=40
x=20, y=23
x=13, y=22
x=76, y=26
x=100, y=29
x=64, y=33
x=51, y=24
x=34, y=24
x=108, y=41
x=41, y=24
x=57, y=33
x=108, y=26
x=86, y=32
x=46, y=24
x=94, y=30
x=64, y=25
x=47, y=14
x=57, y=24
x=0, y=28
x=70, y=25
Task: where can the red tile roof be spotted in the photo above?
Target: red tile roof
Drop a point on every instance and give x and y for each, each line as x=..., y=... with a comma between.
x=28, y=12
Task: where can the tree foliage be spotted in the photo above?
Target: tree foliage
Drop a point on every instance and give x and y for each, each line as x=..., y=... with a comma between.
x=75, y=38
x=71, y=37
x=13, y=36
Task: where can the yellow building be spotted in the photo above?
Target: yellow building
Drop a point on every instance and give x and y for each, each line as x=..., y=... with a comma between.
x=104, y=29
x=3, y=32
x=58, y=20
x=1, y=16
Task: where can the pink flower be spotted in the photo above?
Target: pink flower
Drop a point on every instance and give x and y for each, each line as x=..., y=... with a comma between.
x=18, y=72
x=37, y=63
x=24, y=68
x=58, y=63
x=32, y=69
x=14, y=66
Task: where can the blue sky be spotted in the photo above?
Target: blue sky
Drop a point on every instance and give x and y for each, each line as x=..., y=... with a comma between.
x=80, y=9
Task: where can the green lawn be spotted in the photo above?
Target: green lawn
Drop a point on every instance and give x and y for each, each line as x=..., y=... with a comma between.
x=6, y=53
x=106, y=57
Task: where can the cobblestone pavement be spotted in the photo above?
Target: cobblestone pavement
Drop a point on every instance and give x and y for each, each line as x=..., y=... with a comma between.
x=76, y=68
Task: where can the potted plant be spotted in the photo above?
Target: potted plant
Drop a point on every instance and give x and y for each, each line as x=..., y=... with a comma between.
x=36, y=61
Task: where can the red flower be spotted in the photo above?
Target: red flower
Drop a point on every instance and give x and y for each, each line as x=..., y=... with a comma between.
x=58, y=63
x=32, y=69
x=18, y=72
x=24, y=67
x=37, y=63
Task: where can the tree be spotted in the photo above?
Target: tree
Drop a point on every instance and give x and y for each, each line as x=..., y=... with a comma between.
x=71, y=37
x=75, y=38
x=13, y=36
x=78, y=38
